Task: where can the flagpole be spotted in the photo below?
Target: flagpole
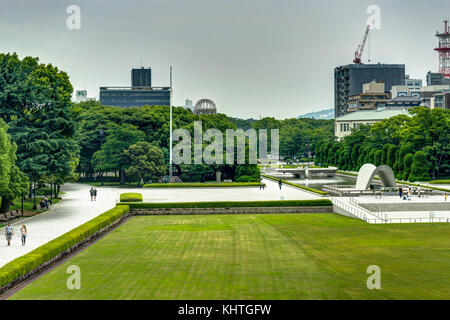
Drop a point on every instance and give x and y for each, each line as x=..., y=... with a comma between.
x=170, y=143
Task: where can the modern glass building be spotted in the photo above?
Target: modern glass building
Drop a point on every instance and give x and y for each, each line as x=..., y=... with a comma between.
x=141, y=93
x=349, y=80
x=141, y=77
x=135, y=96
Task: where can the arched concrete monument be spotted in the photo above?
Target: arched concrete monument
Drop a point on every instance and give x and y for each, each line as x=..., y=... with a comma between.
x=368, y=172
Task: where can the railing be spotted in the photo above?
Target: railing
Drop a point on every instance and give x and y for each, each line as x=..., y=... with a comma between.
x=356, y=202
x=350, y=209
x=410, y=220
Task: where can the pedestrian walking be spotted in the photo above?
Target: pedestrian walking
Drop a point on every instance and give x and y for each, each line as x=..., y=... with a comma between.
x=409, y=193
x=24, y=233
x=9, y=233
x=262, y=185
x=91, y=192
x=280, y=183
x=95, y=194
x=445, y=196
x=400, y=192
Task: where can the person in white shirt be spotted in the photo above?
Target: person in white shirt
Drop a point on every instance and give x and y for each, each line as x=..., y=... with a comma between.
x=9, y=233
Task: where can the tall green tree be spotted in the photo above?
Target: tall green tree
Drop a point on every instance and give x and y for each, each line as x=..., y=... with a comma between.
x=36, y=100
x=111, y=155
x=13, y=183
x=146, y=162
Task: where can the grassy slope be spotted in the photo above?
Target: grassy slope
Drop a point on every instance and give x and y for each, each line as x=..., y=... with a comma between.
x=306, y=256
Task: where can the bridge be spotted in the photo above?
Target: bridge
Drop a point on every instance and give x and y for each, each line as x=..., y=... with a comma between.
x=308, y=172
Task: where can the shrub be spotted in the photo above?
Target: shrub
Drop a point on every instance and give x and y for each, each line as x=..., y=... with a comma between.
x=248, y=179
x=35, y=258
x=44, y=191
x=440, y=182
x=130, y=197
x=202, y=185
x=247, y=173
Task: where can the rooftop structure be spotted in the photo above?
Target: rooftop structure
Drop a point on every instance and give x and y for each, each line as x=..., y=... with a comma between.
x=141, y=77
x=404, y=102
x=372, y=97
x=413, y=84
x=404, y=91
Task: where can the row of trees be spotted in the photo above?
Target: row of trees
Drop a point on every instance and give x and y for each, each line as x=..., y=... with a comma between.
x=416, y=147
x=298, y=137
x=106, y=133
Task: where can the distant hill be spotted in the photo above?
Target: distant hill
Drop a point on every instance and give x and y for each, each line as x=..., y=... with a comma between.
x=323, y=114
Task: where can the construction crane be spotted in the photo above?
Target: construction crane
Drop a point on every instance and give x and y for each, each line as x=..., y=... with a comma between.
x=359, y=51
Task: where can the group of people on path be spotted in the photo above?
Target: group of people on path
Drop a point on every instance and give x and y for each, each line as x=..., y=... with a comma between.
x=9, y=232
x=262, y=185
x=93, y=193
x=407, y=194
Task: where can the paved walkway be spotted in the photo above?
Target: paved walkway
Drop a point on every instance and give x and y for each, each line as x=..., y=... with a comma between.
x=76, y=209
x=392, y=207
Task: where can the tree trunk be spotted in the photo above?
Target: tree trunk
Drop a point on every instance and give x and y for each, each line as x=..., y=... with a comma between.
x=122, y=176
x=34, y=197
x=4, y=207
x=57, y=190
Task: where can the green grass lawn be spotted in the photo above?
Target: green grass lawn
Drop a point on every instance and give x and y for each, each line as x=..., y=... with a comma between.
x=304, y=256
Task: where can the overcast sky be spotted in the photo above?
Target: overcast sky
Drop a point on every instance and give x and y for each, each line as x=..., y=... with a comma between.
x=252, y=57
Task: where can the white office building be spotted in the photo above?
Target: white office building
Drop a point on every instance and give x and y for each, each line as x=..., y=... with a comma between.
x=344, y=124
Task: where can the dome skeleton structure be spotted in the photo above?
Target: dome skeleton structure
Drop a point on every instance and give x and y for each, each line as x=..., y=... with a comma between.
x=205, y=106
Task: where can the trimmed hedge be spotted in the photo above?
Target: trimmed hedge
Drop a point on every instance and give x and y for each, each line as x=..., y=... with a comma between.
x=202, y=185
x=30, y=261
x=322, y=193
x=440, y=182
x=232, y=204
x=130, y=197
x=347, y=173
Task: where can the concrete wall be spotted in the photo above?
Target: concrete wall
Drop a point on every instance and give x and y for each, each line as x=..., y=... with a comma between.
x=246, y=210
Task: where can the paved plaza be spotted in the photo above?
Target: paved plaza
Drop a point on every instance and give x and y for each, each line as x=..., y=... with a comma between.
x=76, y=209
x=392, y=207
